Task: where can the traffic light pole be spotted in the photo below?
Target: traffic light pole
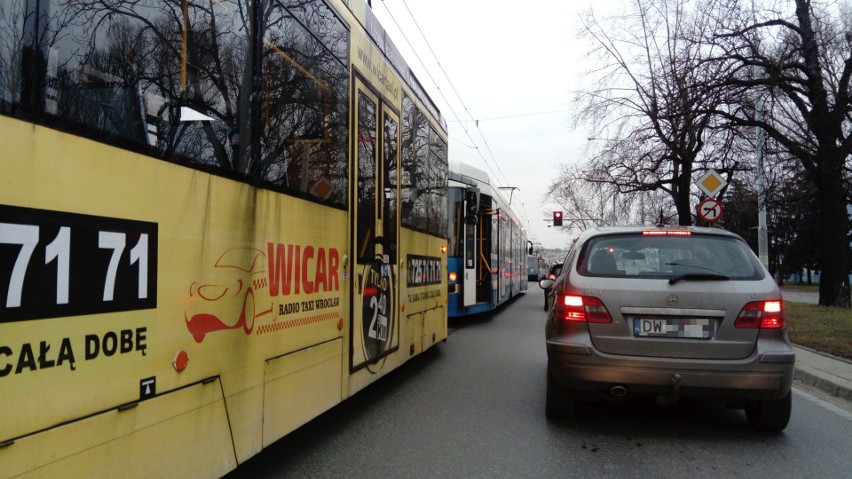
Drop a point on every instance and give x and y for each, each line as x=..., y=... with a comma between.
x=572, y=220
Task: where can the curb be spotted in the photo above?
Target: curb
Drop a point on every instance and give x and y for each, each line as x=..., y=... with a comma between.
x=807, y=375
x=826, y=382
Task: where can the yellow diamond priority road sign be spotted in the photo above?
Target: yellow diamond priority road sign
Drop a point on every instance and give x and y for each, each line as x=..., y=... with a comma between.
x=711, y=182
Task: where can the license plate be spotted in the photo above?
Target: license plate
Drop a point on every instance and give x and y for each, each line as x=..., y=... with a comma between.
x=693, y=328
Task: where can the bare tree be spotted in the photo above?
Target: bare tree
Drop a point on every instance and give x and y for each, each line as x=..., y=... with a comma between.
x=793, y=59
x=650, y=108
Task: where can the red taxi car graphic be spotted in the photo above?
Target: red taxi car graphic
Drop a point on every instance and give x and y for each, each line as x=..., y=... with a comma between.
x=225, y=298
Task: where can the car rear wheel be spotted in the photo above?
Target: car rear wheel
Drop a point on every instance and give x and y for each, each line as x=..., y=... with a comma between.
x=558, y=404
x=771, y=415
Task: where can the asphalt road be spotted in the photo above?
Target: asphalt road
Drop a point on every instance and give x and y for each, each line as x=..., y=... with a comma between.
x=474, y=407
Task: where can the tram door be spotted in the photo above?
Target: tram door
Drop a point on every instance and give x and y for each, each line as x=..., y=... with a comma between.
x=471, y=257
x=375, y=325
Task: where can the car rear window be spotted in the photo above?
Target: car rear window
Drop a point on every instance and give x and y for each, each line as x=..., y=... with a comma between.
x=638, y=255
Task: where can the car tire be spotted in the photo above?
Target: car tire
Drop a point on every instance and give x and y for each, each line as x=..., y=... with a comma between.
x=558, y=404
x=770, y=415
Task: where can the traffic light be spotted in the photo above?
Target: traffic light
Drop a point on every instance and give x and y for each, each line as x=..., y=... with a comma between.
x=557, y=218
x=471, y=200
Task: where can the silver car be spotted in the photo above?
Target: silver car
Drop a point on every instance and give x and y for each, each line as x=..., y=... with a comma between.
x=668, y=313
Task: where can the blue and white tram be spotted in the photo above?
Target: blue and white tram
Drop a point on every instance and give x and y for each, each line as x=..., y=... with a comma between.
x=487, y=245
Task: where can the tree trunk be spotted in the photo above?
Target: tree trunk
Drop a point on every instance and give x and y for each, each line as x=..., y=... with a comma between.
x=684, y=181
x=832, y=225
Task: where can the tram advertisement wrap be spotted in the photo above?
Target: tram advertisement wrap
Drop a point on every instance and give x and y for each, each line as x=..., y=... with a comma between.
x=424, y=270
x=281, y=283
x=378, y=328
x=55, y=264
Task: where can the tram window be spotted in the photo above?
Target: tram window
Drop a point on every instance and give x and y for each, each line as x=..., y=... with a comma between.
x=391, y=147
x=207, y=79
x=438, y=174
x=128, y=73
x=367, y=180
x=415, y=141
x=323, y=23
x=83, y=79
x=12, y=15
x=424, y=166
x=116, y=72
x=304, y=112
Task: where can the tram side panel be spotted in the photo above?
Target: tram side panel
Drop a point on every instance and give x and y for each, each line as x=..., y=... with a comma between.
x=145, y=299
x=240, y=300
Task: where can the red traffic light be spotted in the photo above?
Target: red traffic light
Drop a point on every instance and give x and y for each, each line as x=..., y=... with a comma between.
x=557, y=218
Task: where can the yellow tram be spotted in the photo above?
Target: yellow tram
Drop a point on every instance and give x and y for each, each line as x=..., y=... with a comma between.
x=218, y=219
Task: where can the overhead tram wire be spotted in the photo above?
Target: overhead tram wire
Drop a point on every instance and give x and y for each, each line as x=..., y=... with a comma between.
x=519, y=115
x=441, y=92
x=455, y=91
x=450, y=81
x=522, y=211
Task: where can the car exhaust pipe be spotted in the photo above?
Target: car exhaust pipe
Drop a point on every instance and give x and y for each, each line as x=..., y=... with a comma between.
x=618, y=391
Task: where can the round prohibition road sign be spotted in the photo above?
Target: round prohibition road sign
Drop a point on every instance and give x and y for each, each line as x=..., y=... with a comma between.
x=710, y=210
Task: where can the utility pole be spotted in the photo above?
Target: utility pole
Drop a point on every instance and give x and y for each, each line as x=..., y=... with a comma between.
x=762, y=233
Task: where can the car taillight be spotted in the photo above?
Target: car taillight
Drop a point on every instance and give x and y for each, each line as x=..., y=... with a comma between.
x=761, y=315
x=587, y=309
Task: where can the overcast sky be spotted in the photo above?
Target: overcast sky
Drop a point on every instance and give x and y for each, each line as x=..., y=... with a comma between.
x=514, y=68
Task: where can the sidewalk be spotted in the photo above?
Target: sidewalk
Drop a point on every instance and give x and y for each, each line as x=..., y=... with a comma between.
x=829, y=374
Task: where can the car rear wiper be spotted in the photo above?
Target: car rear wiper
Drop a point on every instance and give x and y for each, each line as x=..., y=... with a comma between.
x=698, y=277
